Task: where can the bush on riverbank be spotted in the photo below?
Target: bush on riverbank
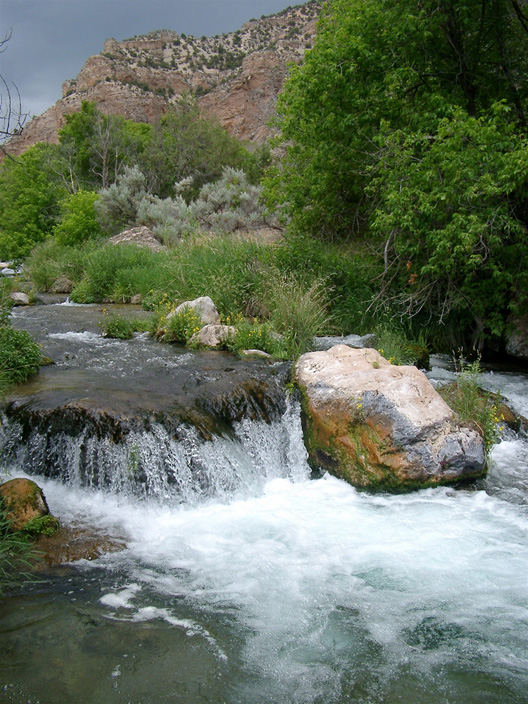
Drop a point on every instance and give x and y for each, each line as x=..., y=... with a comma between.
x=20, y=357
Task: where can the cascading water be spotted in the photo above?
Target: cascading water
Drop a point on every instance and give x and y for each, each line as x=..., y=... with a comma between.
x=270, y=587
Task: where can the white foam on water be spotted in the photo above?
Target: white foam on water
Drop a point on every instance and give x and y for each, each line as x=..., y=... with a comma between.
x=314, y=569
x=85, y=336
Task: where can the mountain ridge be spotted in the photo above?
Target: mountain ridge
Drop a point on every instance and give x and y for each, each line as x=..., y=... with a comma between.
x=235, y=77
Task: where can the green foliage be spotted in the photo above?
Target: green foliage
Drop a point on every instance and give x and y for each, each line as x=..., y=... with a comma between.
x=19, y=357
x=50, y=260
x=117, y=206
x=298, y=310
x=29, y=197
x=96, y=147
x=349, y=275
x=252, y=335
x=404, y=128
x=104, y=265
x=186, y=144
x=116, y=326
x=448, y=211
x=472, y=405
x=42, y=525
x=178, y=327
x=78, y=219
x=393, y=343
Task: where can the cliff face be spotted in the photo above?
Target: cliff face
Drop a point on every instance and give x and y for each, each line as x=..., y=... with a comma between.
x=235, y=77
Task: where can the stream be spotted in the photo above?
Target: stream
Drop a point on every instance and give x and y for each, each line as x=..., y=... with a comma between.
x=244, y=579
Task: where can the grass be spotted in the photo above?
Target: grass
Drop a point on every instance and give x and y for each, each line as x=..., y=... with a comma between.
x=473, y=405
x=300, y=287
x=17, y=555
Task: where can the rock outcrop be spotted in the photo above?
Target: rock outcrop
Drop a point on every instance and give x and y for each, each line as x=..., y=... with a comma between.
x=381, y=426
x=235, y=77
x=140, y=236
x=517, y=340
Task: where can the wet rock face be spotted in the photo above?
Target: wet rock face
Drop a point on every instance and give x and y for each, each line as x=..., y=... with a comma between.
x=380, y=426
x=92, y=442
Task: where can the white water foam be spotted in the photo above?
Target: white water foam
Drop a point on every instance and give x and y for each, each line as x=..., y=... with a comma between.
x=318, y=574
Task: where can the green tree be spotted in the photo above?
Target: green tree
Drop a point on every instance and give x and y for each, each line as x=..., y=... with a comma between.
x=78, y=219
x=403, y=65
x=29, y=196
x=185, y=144
x=451, y=210
x=96, y=147
x=404, y=127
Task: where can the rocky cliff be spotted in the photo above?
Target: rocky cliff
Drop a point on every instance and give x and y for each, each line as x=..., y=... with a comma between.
x=235, y=77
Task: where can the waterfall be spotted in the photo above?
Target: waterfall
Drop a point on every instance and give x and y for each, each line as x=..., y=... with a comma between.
x=166, y=463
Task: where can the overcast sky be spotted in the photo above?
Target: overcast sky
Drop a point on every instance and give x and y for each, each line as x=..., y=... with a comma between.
x=51, y=39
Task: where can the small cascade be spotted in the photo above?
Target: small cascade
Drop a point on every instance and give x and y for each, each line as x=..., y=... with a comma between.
x=167, y=461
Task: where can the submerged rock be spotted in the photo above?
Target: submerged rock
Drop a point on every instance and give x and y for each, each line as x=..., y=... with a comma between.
x=381, y=426
x=25, y=507
x=70, y=544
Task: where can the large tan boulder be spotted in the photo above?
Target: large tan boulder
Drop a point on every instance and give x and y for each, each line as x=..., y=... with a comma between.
x=25, y=507
x=381, y=426
x=204, y=308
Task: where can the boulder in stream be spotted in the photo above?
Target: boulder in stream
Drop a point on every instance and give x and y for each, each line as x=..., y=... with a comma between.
x=19, y=298
x=381, y=426
x=25, y=507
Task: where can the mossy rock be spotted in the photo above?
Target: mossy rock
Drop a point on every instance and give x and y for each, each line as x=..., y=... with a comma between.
x=25, y=507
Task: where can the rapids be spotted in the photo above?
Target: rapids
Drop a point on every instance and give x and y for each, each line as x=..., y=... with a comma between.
x=276, y=587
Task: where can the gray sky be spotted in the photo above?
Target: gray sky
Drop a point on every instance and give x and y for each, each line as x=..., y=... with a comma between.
x=53, y=38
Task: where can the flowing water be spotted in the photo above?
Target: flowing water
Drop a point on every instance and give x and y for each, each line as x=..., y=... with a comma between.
x=271, y=587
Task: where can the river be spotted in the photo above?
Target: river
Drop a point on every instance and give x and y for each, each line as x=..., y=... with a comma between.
x=269, y=586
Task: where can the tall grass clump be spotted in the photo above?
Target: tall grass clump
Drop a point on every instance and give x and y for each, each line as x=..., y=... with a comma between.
x=116, y=272
x=17, y=555
x=473, y=405
x=398, y=346
x=50, y=260
x=298, y=310
x=347, y=272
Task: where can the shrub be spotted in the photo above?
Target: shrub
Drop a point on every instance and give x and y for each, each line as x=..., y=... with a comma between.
x=104, y=265
x=116, y=326
x=298, y=310
x=394, y=344
x=251, y=335
x=180, y=327
x=117, y=205
x=79, y=221
x=50, y=259
x=19, y=356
